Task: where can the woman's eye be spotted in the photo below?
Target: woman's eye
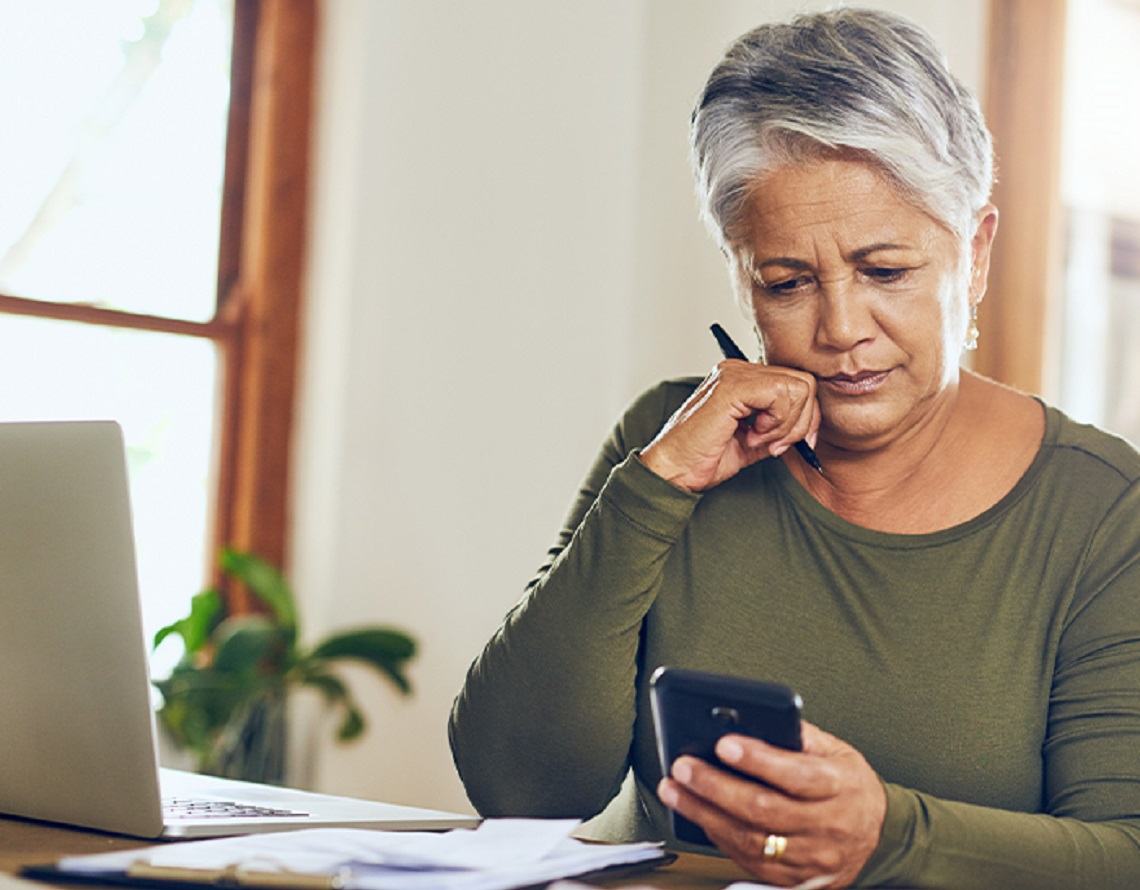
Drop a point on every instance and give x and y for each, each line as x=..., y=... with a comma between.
x=885, y=274
x=788, y=285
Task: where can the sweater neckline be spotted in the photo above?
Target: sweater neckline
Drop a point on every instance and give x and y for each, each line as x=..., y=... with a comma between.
x=899, y=540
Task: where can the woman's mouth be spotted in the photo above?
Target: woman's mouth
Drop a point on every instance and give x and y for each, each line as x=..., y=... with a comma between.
x=855, y=384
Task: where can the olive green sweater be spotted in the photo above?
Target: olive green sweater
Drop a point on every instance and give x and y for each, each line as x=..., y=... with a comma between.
x=989, y=672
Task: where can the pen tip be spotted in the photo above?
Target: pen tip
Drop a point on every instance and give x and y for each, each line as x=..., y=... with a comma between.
x=808, y=454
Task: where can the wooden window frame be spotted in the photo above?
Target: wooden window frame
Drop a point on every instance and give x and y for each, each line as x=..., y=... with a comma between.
x=1023, y=98
x=260, y=267
x=263, y=302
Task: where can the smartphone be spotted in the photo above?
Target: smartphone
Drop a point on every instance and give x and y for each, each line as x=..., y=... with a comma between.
x=693, y=709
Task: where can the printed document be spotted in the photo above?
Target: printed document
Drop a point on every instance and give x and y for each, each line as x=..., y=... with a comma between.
x=499, y=854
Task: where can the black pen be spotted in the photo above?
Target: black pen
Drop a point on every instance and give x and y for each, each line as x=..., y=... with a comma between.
x=731, y=350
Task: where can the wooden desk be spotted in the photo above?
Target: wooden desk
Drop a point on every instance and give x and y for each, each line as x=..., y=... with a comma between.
x=32, y=843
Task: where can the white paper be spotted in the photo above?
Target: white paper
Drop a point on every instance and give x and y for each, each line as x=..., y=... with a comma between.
x=500, y=853
x=810, y=884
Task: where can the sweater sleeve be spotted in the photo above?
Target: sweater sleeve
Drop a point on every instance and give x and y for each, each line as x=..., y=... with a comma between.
x=544, y=722
x=1088, y=835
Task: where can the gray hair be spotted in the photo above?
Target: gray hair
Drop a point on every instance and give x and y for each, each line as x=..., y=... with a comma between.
x=850, y=81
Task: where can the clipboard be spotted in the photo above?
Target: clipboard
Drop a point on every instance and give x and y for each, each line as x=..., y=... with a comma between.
x=183, y=878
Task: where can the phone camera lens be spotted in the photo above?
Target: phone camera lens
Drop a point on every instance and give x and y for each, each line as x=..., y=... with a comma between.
x=726, y=717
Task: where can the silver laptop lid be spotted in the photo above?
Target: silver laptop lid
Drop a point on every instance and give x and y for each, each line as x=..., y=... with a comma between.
x=76, y=728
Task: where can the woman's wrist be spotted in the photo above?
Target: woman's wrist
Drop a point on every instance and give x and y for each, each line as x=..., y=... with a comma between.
x=656, y=462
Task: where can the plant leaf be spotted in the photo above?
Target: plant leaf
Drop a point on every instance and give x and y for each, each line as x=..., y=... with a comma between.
x=264, y=582
x=331, y=687
x=368, y=643
x=352, y=725
x=195, y=628
x=198, y=702
x=336, y=693
x=244, y=642
x=383, y=648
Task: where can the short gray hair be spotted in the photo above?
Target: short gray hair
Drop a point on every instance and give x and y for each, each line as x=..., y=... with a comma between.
x=853, y=81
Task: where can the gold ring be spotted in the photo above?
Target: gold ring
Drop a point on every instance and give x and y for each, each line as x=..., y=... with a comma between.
x=774, y=846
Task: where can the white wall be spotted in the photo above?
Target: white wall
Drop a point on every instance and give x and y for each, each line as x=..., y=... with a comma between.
x=504, y=251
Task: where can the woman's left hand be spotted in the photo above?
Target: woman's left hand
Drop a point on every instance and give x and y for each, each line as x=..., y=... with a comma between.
x=826, y=801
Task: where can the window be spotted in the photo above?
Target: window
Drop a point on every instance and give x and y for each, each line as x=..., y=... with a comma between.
x=1096, y=340
x=151, y=226
x=1063, y=314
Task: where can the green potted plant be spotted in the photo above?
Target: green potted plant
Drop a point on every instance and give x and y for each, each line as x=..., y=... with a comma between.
x=225, y=700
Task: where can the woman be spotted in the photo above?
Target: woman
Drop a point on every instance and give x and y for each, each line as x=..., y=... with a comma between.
x=957, y=598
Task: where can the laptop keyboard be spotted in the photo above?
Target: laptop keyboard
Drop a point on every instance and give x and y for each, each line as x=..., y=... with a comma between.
x=191, y=808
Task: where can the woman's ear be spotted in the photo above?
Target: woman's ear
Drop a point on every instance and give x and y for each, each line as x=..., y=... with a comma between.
x=985, y=227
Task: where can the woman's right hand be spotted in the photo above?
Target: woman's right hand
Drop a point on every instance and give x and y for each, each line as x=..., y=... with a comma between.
x=741, y=413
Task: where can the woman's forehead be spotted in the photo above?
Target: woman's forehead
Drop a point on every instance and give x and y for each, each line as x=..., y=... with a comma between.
x=847, y=202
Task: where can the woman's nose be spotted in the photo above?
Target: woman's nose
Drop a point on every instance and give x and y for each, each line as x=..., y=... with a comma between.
x=845, y=320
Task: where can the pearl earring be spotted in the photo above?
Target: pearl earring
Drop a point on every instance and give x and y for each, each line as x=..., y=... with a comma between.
x=972, y=332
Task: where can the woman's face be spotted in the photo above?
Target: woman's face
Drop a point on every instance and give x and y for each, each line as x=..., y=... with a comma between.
x=863, y=290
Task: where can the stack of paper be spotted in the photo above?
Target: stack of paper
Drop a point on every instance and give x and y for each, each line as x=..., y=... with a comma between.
x=500, y=854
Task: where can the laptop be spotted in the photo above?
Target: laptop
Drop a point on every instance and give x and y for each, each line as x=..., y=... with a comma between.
x=77, y=733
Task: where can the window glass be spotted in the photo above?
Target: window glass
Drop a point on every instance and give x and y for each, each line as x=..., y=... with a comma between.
x=114, y=122
x=1099, y=323
x=160, y=388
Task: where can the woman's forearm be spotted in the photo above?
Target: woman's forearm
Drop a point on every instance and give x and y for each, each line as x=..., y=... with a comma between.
x=929, y=842
x=544, y=722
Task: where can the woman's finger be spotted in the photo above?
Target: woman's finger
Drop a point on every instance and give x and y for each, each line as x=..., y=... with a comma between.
x=795, y=412
x=812, y=437
x=800, y=429
x=801, y=774
x=820, y=741
x=731, y=836
x=775, y=434
x=762, y=423
x=747, y=801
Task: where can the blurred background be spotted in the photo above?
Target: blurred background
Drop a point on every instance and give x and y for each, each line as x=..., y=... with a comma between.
x=366, y=282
